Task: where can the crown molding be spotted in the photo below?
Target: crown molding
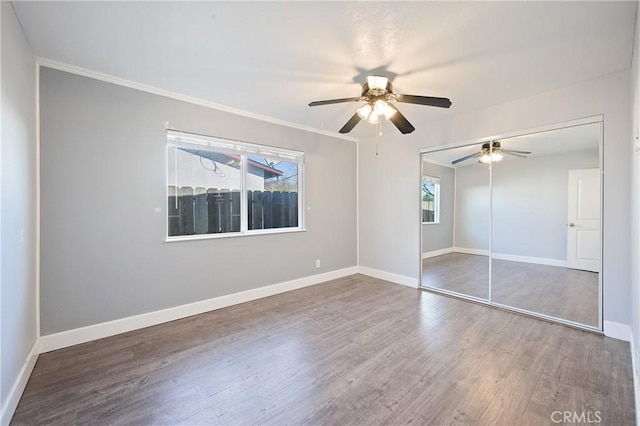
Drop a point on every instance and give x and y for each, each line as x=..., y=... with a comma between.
x=61, y=66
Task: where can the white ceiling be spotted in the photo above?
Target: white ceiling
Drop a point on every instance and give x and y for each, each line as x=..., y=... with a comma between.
x=273, y=58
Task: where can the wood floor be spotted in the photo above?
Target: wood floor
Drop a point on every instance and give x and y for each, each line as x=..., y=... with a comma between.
x=551, y=290
x=351, y=351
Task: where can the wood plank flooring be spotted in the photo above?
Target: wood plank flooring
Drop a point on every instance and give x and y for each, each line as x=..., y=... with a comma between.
x=351, y=351
x=551, y=290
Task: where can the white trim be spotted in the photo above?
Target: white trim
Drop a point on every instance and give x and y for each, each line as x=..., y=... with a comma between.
x=110, y=328
x=421, y=228
x=617, y=330
x=490, y=227
x=358, y=202
x=241, y=233
x=434, y=253
x=478, y=252
x=37, y=224
x=530, y=259
x=636, y=379
x=180, y=138
x=389, y=276
x=512, y=257
x=61, y=66
x=438, y=163
x=15, y=393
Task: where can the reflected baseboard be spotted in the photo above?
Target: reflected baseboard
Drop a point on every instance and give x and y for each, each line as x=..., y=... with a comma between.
x=434, y=253
x=529, y=259
x=465, y=250
x=510, y=257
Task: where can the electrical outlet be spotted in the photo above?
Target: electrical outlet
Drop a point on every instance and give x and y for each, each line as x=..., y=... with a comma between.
x=317, y=263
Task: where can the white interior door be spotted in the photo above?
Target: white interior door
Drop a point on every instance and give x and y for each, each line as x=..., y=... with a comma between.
x=583, y=226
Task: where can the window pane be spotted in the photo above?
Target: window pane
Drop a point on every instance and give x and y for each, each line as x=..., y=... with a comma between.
x=430, y=199
x=272, y=193
x=204, y=191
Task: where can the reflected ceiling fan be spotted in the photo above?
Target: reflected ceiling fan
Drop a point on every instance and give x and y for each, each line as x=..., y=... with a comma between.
x=378, y=94
x=491, y=152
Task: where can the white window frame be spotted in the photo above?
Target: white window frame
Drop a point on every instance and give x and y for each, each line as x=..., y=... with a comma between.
x=436, y=198
x=177, y=139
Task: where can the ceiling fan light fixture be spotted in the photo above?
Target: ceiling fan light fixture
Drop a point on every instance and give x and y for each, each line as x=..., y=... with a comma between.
x=377, y=82
x=491, y=158
x=364, y=111
x=379, y=107
x=373, y=118
x=378, y=94
x=388, y=110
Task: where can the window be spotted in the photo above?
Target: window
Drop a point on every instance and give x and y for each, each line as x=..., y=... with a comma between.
x=223, y=187
x=430, y=199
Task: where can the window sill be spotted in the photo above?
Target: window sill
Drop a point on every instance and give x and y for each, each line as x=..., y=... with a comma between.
x=233, y=234
x=431, y=223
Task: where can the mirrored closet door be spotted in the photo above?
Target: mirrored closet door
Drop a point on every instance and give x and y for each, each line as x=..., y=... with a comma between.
x=516, y=222
x=455, y=222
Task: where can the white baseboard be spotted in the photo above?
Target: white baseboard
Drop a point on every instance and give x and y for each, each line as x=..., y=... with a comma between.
x=76, y=336
x=389, y=276
x=15, y=393
x=530, y=259
x=465, y=250
x=512, y=257
x=617, y=330
x=636, y=379
x=434, y=253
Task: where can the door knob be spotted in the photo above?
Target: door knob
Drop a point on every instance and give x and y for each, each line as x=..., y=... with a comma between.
x=572, y=225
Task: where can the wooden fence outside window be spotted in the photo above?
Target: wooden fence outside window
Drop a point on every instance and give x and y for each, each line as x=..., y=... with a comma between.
x=193, y=211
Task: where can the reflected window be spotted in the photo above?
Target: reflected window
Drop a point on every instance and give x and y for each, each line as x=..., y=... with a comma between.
x=430, y=199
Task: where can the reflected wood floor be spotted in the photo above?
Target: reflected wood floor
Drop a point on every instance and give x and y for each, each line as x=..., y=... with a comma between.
x=356, y=350
x=551, y=290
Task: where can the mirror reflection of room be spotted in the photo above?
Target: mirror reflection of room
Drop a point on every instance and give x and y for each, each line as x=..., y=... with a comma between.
x=455, y=224
x=531, y=204
x=546, y=224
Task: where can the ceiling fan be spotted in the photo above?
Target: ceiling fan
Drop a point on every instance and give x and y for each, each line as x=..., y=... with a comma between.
x=378, y=94
x=491, y=152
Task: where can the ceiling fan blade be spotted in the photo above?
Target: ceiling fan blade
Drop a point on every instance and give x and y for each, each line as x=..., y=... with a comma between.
x=513, y=153
x=466, y=157
x=425, y=100
x=401, y=122
x=350, y=124
x=516, y=151
x=333, y=101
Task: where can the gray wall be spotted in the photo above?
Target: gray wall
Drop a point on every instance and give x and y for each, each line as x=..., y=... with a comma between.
x=390, y=226
x=438, y=236
x=530, y=201
x=473, y=207
x=18, y=220
x=103, y=207
x=529, y=204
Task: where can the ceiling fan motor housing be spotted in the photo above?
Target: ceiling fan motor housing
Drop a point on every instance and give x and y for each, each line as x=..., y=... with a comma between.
x=495, y=145
x=374, y=93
